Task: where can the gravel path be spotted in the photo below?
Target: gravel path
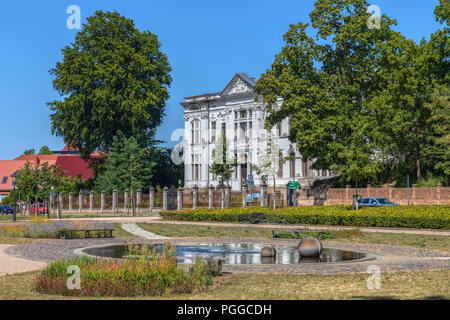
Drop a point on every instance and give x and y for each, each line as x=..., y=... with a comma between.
x=11, y=265
x=135, y=230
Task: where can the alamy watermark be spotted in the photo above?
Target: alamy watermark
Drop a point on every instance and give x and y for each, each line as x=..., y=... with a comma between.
x=374, y=281
x=374, y=21
x=74, y=280
x=74, y=20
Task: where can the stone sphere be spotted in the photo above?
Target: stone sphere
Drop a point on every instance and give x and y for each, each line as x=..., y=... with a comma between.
x=310, y=247
x=268, y=252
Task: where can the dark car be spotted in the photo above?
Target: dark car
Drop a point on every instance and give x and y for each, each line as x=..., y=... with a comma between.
x=5, y=209
x=375, y=202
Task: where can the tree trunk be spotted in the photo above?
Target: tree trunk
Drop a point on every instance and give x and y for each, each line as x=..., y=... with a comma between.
x=418, y=173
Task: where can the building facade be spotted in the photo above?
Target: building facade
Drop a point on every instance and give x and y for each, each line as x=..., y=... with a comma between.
x=233, y=113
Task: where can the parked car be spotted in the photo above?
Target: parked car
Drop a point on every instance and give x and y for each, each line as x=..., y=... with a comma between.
x=5, y=209
x=39, y=208
x=375, y=202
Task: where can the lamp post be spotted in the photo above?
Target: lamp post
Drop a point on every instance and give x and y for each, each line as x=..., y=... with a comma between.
x=13, y=178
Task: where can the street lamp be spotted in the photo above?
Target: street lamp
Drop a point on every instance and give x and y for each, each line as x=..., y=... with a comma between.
x=13, y=178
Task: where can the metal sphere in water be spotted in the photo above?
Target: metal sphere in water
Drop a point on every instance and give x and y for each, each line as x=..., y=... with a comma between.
x=268, y=252
x=310, y=247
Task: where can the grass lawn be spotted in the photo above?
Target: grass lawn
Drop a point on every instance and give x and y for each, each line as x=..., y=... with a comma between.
x=5, y=239
x=178, y=230
x=398, y=285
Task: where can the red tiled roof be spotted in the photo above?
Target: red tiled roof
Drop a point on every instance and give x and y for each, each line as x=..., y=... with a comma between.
x=7, y=168
x=73, y=166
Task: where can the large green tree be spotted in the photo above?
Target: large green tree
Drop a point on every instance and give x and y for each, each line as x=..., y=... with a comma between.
x=129, y=166
x=113, y=78
x=326, y=82
x=413, y=106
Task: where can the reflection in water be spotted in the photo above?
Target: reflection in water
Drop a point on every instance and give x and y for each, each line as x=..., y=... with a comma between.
x=238, y=253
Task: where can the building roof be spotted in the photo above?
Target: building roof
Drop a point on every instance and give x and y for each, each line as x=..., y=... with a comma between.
x=7, y=168
x=72, y=165
x=249, y=81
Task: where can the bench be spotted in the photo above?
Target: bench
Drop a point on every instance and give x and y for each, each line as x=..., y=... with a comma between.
x=255, y=217
x=297, y=232
x=105, y=231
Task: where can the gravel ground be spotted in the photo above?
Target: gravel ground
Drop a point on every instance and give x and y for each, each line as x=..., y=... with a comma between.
x=10, y=264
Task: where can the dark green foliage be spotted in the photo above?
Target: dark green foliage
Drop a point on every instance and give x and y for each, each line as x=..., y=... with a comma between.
x=45, y=150
x=165, y=172
x=29, y=152
x=129, y=166
x=113, y=78
x=431, y=217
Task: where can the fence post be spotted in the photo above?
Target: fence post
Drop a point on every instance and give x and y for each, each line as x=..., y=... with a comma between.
x=210, y=197
x=194, y=197
x=115, y=200
x=165, y=190
x=390, y=192
x=438, y=193
x=151, y=198
x=244, y=195
x=80, y=201
x=264, y=195
x=70, y=201
x=368, y=190
x=413, y=193
x=138, y=199
x=180, y=198
x=227, y=197
x=102, y=201
x=91, y=200
x=125, y=200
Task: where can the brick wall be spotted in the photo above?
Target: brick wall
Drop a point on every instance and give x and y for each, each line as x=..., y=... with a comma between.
x=418, y=196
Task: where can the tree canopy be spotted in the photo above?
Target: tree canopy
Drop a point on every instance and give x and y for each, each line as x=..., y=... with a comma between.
x=113, y=78
x=359, y=97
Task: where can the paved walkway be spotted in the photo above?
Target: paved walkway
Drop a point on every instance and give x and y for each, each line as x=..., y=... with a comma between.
x=10, y=264
x=135, y=230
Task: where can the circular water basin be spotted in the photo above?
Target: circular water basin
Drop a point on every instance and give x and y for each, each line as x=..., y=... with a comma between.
x=235, y=253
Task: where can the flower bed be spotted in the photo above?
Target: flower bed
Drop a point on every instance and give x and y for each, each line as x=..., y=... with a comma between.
x=52, y=229
x=152, y=274
x=430, y=217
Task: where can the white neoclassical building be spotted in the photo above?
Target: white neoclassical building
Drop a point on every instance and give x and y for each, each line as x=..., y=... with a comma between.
x=234, y=113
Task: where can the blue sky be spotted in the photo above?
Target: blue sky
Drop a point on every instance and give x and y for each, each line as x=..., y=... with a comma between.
x=207, y=42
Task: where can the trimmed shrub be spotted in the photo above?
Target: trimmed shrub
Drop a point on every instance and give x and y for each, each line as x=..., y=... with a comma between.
x=418, y=217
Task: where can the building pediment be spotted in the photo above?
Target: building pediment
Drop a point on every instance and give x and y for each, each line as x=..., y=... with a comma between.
x=241, y=83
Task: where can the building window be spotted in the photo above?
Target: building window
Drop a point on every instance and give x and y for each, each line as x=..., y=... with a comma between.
x=5, y=179
x=213, y=131
x=243, y=114
x=196, y=168
x=243, y=130
x=279, y=128
x=195, y=130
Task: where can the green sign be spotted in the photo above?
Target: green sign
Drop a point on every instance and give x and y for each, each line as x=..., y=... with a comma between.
x=294, y=185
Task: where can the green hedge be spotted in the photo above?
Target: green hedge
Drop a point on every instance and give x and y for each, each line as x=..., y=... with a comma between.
x=418, y=217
